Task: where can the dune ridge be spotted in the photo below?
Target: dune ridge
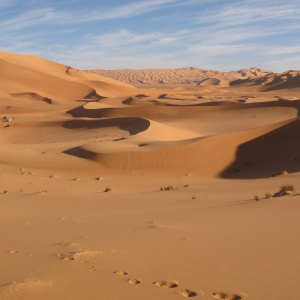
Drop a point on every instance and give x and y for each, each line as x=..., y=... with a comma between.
x=185, y=76
x=52, y=80
x=270, y=82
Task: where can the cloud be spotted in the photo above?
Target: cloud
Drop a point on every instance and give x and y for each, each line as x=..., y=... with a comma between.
x=129, y=41
x=4, y=3
x=283, y=50
x=49, y=15
x=122, y=37
x=245, y=12
x=31, y=18
x=213, y=50
x=280, y=65
x=166, y=40
x=128, y=10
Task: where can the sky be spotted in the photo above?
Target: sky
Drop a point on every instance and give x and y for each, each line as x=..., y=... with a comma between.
x=224, y=35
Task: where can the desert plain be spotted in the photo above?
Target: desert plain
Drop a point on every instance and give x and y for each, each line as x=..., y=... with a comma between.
x=148, y=191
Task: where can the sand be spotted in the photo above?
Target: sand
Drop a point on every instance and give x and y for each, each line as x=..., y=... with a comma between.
x=110, y=191
x=183, y=76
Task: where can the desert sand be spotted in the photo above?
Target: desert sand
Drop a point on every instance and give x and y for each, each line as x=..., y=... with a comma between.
x=187, y=76
x=109, y=191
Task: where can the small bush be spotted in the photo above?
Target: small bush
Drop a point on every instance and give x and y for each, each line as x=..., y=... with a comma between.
x=107, y=190
x=167, y=188
x=257, y=198
x=286, y=189
x=267, y=195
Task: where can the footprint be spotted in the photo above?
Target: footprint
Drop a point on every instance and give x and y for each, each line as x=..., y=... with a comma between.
x=67, y=258
x=86, y=262
x=188, y=293
x=93, y=268
x=64, y=244
x=12, y=252
x=77, y=254
x=41, y=192
x=27, y=173
x=160, y=226
x=229, y=295
x=120, y=272
x=29, y=254
x=134, y=281
x=166, y=284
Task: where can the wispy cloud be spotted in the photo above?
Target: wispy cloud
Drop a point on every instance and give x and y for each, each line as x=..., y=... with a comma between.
x=123, y=38
x=283, y=64
x=4, y=3
x=120, y=38
x=37, y=17
x=213, y=50
x=128, y=10
x=283, y=50
x=245, y=12
x=31, y=18
x=166, y=40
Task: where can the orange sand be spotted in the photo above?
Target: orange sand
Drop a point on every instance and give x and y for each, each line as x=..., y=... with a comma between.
x=109, y=191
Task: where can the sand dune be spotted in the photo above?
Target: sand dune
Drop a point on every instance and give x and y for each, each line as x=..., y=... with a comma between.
x=171, y=190
x=271, y=82
x=186, y=76
x=48, y=79
x=252, y=154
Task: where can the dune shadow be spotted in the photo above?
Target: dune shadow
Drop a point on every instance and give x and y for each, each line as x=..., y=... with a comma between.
x=241, y=104
x=272, y=152
x=81, y=112
x=93, y=96
x=165, y=109
x=80, y=152
x=128, y=100
x=132, y=125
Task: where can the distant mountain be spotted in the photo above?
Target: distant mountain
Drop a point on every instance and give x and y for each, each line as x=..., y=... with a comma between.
x=188, y=76
x=273, y=81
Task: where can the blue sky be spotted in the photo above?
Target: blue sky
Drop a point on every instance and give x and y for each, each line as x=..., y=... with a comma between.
x=223, y=35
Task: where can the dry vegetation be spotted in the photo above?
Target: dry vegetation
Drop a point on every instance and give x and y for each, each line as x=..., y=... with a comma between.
x=268, y=195
x=285, y=190
x=167, y=188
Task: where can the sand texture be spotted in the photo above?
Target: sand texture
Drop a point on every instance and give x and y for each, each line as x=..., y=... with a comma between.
x=109, y=191
x=182, y=76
